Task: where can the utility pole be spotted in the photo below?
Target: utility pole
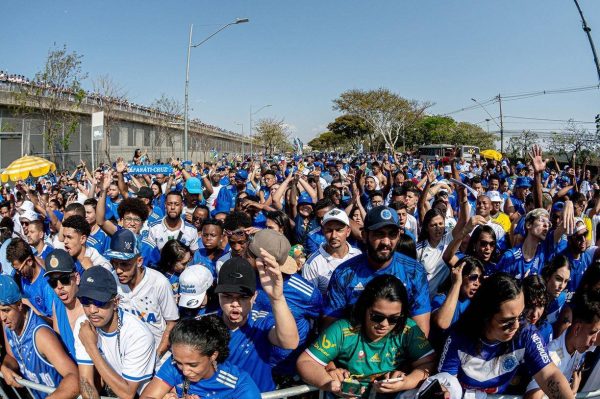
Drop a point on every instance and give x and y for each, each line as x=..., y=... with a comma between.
x=587, y=31
x=501, y=125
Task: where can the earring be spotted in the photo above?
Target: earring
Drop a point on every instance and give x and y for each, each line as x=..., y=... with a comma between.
x=214, y=364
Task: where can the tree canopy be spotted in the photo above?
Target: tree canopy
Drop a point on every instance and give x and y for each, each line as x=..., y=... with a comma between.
x=273, y=134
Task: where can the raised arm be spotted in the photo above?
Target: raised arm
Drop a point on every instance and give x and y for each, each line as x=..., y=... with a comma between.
x=539, y=165
x=108, y=227
x=442, y=317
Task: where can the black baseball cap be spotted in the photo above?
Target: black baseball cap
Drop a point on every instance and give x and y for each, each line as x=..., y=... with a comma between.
x=236, y=276
x=381, y=216
x=59, y=261
x=97, y=283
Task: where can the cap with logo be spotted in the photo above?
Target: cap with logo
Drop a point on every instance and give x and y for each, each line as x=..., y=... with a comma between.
x=97, y=283
x=59, y=261
x=9, y=290
x=28, y=215
x=241, y=175
x=381, y=216
x=145, y=192
x=236, y=276
x=123, y=245
x=494, y=196
x=194, y=281
x=305, y=199
x=193, y=185
x=336, y=215
x=523, y=182
x=277, y=245
x=579, y=227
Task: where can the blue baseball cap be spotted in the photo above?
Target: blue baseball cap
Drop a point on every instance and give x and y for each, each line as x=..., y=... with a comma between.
x=97, y=283
x=381, y=216
x=523, y=182
x=9, y=291
x=193, y=185
x=318, y=164
x=123, y=245
x=558, y=206
x=241, y=175
x=305, y=199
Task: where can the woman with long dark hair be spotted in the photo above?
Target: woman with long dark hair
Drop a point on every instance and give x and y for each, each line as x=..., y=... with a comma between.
x=491, y=339
x=280, y=222
x=480, y=241
x=198, y=366
x=376, y=342
x=556, y=275
x=174, y=258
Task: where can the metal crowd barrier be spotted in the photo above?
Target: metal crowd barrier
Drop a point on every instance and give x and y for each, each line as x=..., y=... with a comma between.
x=279, y=394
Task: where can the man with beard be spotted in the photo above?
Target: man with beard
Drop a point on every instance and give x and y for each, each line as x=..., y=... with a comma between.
x=315, y=237
x=143, y=291
x=320, y=265
x=483, y=208
x=172, y=227
x=35, y=237
x=380, y=236
x=63, y=279
x=110, y=343
x=538, y=246
x=33, y=351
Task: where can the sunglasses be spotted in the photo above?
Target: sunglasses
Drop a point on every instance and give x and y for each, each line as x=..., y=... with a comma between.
x=64, y=279
x=484, y=244
x=236, y=233
x=475, y=277
x=85, y=301
x=510, y=323
x=379, y=318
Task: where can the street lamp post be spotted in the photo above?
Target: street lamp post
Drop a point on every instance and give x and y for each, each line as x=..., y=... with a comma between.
x=187, y=78
x=250, y=134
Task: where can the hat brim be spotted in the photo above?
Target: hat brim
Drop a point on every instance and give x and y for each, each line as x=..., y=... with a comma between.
x=191, y=301
x=289, y=266
x=58, y=271
x=193, y=191
x=234, y=289
x=119, y=255
x=94, y=293
x=381, y=225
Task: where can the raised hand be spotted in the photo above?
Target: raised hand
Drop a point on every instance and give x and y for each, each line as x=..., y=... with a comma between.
x=106, y=180
x=539, y=163
x=270, y=275
x=121, y=166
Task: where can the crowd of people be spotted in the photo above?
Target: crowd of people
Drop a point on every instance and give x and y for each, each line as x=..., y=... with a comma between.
x=364, y=275
x=100, y=100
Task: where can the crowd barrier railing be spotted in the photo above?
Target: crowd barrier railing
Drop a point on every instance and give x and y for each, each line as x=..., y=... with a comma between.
x=279, y=394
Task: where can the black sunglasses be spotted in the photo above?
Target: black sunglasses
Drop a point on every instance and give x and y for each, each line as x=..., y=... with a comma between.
x=474, y=277
x=64, y=279
x=85, y=301
x=379, y=318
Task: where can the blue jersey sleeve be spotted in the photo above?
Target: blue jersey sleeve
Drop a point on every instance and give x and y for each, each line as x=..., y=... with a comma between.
x=245, y=387
x=335, y=300
x=536, y=357
x=449, y=359
x=437, y=301
x=505, y=264
x=420, y=295
x=224, y=200
x=169, y=374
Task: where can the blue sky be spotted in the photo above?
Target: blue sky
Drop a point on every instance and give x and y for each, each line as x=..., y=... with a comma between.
x=299, y=56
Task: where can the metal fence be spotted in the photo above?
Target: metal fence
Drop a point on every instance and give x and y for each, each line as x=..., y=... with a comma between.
x=279, y=394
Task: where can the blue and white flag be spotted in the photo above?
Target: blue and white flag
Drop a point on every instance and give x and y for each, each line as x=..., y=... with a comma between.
x=298, y=145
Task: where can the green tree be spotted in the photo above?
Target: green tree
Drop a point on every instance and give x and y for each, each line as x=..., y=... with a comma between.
x=387, y=113
x=326, y=141
x=56, y=97
x=351, y=129
x=272, y=134
x=576, y=142
x=437, y=129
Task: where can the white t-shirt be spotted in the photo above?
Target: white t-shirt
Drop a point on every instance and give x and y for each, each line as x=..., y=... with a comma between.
x=151, y=301
x=210, y=201
x=159, y=234
x=567, y=363
x=412, y=225
x=432, y=261
x=130, y=353
x=320, y=265
x=97, y=259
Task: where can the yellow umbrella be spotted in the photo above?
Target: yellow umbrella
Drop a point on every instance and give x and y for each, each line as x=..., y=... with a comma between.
x=28, y=165
x=491, y=154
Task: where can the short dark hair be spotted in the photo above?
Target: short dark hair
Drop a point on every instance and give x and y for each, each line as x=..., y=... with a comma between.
x=174, y=192
x=324, y=203
x=75, y=208
x=18, y=250
x=212, y=222
x=207, y=335
x=135, y=206
x=586, y=307
x=237, y=220
x=38, y=224
x=93, y=202
x=79, y=224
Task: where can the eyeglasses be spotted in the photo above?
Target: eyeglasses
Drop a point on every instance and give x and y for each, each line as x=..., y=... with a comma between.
x=130, y=219
x=579, y=237
x=25, y=224
x=379, y=318
x=484, y=244
x=85, y=301
x=509, y=324
x=64, y=279
x=475, y=277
